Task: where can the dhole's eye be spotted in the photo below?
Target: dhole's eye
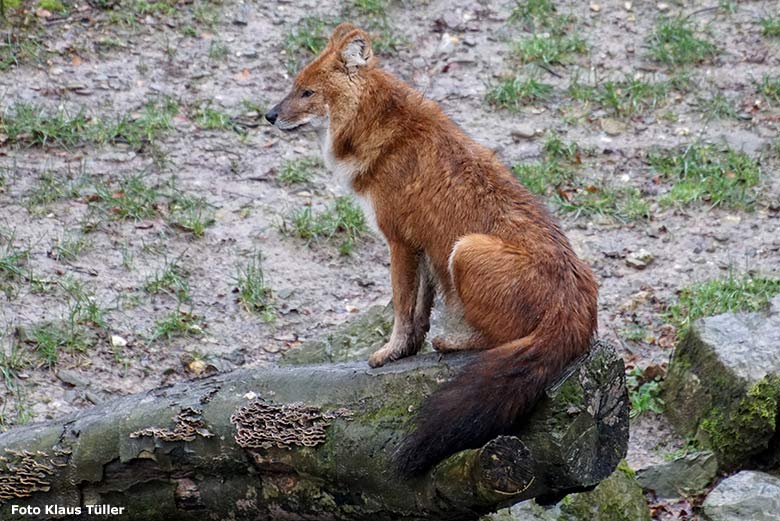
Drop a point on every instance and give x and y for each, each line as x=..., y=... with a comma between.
x=307, y=93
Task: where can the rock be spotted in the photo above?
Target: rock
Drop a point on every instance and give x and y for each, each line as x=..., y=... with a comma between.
x=724, y=384
x=357, y=340
x=640, y=259
x=71, y=377
x=745, y=495
x=681, y=477
x=522, y=132
x=617, y=498
x=525, y=511
x=612, y=127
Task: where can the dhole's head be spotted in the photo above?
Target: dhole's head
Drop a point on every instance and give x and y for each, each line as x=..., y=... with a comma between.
x=329, y=86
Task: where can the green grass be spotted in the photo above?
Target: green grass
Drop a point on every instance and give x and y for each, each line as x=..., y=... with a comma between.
x=541, y=176
x=718, y=106
x=635, y=333
x=159, y=8
x=770, y=88
x=557, y=167
x=129, y=199
x=532, y=10
x=76, y=332
x=624, y=204
x=189, y=213
x=556, y=175
x=209, y=118
x=376, y=8
x=33, y=125
x=549, y=49
x=622, y=98
x=13, y=360
x=218, y=51
x=343, y=223
x=298, y=171
x=643, y=393
x=674, y=43
x=304, y=40
x=770, y=26
x=53, y=6
x=170, y=279
x=513, y=93
x=254, y=293
x=708, y=174
x=13, y=265
x=84, y=309
x=178, y=324
x=134, y=198
x=49, y=339
x=731, y=293
x=18, y=48
x=206, y=14
x=70, y=246
x=51, y=188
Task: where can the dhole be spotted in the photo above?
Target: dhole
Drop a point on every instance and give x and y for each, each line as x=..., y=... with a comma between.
x=456, y=221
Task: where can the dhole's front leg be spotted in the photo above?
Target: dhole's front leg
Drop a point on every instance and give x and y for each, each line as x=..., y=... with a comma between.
x=412, y=300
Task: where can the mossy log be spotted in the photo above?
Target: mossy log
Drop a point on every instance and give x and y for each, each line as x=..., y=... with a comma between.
x=310, y=442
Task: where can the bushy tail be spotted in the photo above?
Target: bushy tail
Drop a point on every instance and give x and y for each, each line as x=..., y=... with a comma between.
x=488, y=397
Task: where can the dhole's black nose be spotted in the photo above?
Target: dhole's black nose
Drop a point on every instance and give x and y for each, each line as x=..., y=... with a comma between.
x=272, y=115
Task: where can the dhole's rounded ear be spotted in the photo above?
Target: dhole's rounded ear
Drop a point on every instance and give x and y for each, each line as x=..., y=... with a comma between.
x=340, y=32
x=355, y=50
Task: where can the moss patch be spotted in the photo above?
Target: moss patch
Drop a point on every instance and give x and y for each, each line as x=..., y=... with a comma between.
x=617, y=498
x=745, y=429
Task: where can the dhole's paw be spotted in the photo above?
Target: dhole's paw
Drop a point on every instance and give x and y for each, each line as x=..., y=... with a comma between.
x=442, y=345
x=381, y=357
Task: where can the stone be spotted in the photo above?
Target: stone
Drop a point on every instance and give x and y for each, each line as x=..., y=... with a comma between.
x=724, y=382
x=72, y=377
x=681, y=477
x=525, y=511
x=639, y=260
x=522, y=132
x=745, y=495
x=612, y=126
x=617, y=498
x=355, y=341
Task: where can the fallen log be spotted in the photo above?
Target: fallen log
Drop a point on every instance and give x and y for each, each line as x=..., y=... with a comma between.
x=308, y=442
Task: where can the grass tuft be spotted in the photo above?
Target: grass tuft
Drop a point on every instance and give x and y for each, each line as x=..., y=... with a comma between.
x=707, y=174
x=298, y=171
x=304, y=40
x=644, y=393
x=770, y=26
x=513, y=93
x=770, y=88
x=548, y=48
x=731, y=293
x=254, y=293
x=178, y=323
x=170, y=279
x=33, y=125
x=343, y=222
x=674, y=43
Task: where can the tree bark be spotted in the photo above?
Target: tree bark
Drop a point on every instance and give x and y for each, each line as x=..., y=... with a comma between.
x=310, y=443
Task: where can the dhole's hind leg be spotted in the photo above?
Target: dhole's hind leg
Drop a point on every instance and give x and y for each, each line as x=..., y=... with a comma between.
x=413, y=293
x=495, y=284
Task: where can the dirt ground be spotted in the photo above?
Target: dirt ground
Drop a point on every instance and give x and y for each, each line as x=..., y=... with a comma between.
x=232, y=57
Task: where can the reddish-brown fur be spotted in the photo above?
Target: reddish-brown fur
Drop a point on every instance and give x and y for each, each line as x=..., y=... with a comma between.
x=456, y=219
